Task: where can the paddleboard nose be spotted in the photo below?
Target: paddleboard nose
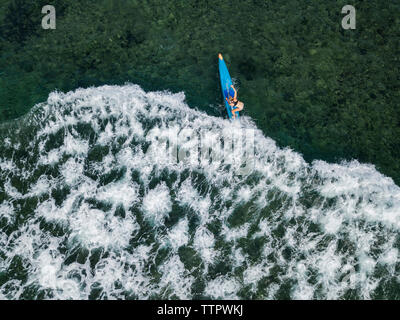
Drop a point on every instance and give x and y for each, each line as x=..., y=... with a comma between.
x=220, y=56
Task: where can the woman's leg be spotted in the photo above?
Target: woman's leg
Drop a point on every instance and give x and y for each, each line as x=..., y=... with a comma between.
x=238, y=108
x=234, y=112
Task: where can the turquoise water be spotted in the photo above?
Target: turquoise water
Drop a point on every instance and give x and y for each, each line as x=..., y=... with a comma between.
x=91, y=207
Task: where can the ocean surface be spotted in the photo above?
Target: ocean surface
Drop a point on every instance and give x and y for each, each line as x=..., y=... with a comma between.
x=92, y=207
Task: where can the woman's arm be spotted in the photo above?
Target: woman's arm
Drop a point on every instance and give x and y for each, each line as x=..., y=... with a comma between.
x=234, y=91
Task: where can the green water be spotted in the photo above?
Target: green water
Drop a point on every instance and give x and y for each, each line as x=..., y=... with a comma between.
x=324, y=91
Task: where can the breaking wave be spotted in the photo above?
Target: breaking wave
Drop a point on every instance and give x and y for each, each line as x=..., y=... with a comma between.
x=91, y=208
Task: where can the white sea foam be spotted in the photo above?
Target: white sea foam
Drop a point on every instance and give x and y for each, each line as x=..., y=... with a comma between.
x=173, y=271
x=157, y=204
x=101, y=186
x=204, y=243
x=222, y=287
x=179, y=235
x=7, y=211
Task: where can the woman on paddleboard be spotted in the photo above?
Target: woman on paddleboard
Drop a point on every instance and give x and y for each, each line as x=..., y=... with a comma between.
x=235, y=103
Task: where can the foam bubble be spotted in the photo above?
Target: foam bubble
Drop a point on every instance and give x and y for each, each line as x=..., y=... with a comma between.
x=179, y=235
x=157, y=204
x=222, y=287
x=204, y=243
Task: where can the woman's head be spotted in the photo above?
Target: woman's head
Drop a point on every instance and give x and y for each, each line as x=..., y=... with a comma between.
x=231, y=100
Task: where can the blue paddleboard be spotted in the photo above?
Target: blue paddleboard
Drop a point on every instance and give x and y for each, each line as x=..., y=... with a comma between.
x=226, y=83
